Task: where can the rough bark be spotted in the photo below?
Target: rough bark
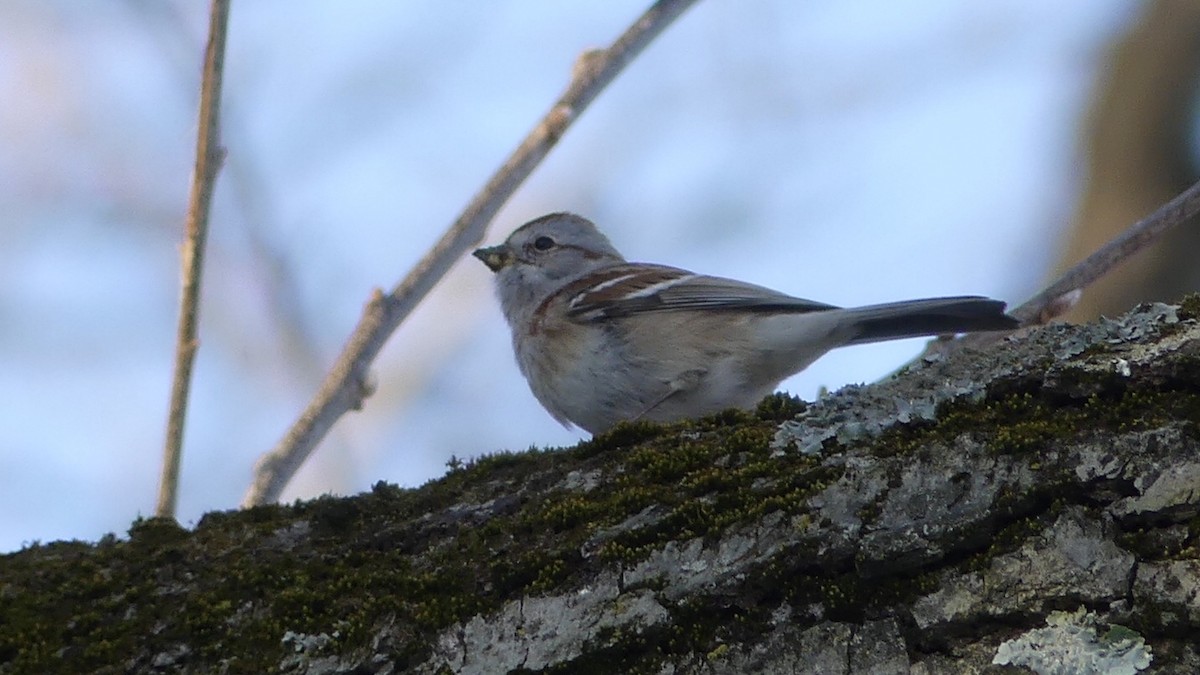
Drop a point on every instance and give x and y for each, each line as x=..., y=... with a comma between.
x=1034, y=503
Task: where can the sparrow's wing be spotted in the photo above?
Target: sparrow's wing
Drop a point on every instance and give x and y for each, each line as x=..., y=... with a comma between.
x=623, y=290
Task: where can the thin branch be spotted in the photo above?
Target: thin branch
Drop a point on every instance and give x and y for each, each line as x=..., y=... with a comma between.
x=243, y=180
x=346, y=385
x=209, y=156
x=1061, y=295
x=1124, y=246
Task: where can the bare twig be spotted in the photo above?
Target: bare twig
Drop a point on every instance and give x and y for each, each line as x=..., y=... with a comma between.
x=1138, y=236
x=346, y=385
x=209, y=156
x=277, y=277
x=1059, y=296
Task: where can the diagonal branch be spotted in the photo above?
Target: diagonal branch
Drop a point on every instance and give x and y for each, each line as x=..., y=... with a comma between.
x=209, y=156
x=1137, y=237
x=1060, y=295
x=346, y=385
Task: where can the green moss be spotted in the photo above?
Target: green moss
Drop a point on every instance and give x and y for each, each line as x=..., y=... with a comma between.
x=1028, y=423
x=780, y=407
x=392, y=556
x=1011, y=535
x=1189, y=307
x=701, y=626
x=1155, y=544
x=154, y=532
x=622, y=436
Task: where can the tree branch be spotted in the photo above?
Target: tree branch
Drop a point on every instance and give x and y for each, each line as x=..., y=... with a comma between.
x=209, y=156
x=1062, y=294
x=346, y=385
x=925, y=523
x=1137, y=237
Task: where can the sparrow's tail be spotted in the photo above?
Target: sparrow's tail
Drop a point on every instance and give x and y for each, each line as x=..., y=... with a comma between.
x=933, y=316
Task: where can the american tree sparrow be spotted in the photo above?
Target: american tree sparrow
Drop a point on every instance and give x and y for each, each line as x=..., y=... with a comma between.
x=602, y=340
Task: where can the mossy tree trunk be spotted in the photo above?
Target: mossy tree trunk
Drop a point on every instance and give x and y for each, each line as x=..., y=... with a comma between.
x=1043, y=491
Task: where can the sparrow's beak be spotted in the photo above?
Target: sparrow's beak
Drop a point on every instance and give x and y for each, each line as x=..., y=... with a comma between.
x=495, y=257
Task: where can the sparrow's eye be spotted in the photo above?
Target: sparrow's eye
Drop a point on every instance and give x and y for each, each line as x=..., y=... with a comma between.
x=543, y=243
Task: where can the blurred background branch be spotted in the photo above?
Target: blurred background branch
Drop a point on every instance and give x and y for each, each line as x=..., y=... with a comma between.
x=259, y=261
x=1141, y=148
x=209, y=156
x=347, y=385
x=1064, y=293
